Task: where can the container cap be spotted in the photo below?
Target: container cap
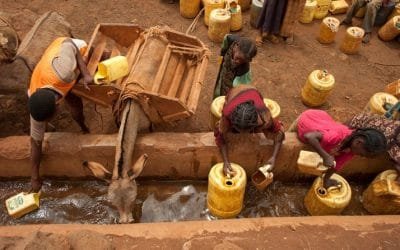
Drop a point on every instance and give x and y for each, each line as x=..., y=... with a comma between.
x=356, y=32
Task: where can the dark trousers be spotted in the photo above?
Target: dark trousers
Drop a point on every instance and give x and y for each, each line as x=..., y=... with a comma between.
x=271, y=16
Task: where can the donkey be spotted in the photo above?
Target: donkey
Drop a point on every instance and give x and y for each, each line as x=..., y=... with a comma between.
x=122, y=190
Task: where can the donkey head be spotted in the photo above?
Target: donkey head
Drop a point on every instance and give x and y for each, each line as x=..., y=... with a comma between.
x=122, y=190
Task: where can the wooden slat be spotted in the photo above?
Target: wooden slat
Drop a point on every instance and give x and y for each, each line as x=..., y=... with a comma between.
x=96, y=56
x=176, y=81
x=132, y=58
x=104, y=95
x=177, y=116
x=187, y=85
x=195, y=92
x=92, y=39
x=115, y=52
x=161, y=70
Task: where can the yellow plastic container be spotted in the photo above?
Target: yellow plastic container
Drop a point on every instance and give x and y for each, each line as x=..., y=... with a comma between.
x=218, y=104
x=21, y=204
x=244, y=4
x=311, y=163
x=262, y=177
x=393, y=88
x=309, y=11
x=328, y=29
x=377, y=102
x=318, y=86
x=395, y=12
x=338, y=7
x=189, y=8
x=236, y=18
x=331, y=201
x=225, y=195
x=111, y=70
x=390, y=30
x=383, y=195
x=210, y=5
x=256, y=8
x=352, y=40
x=322, y=8
x=219, y=25
x=361, y=12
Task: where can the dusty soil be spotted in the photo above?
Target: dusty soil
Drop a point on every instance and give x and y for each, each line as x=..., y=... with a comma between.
x=282, y=69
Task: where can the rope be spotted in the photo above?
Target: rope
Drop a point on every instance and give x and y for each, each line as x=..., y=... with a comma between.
x=192, y=26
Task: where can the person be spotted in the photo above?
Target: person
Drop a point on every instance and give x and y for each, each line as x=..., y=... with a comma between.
x=336, y=143
x=293, y=11
x=270, y=20
x=52, y=79
x=390, y=129
x=373, y=7
x=244, y=111
x=236, y=55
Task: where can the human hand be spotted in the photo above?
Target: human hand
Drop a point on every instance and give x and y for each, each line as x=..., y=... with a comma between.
x=271, y=162
x=330, y=183
x=329, y=161
x=87, y=79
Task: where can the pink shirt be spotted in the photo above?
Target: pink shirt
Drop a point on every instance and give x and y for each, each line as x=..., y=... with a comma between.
x=333, y=133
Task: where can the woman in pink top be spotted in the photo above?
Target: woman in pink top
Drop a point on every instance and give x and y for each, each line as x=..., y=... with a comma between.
x=335, y=142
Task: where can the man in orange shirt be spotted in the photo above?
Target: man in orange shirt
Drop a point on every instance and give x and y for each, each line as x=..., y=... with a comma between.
x=52, y=79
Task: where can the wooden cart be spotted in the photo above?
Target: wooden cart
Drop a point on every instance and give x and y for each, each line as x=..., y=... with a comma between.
x=166, y=70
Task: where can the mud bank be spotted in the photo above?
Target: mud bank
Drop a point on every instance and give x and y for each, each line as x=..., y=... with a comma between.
x=171, y=155
x=265, y=233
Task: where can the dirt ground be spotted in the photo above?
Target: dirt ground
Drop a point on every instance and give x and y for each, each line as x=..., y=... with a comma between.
x=282, y=69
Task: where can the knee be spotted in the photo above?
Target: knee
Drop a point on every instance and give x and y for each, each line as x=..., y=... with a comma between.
x=374, y=5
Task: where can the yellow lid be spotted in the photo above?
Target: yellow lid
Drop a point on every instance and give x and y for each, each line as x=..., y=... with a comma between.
x=220, y=14
x=379, y=99
x=322, y=80
x=355, y=32
x=273, y=107
x=311, y=3
x=339, y=195
x=229, y=182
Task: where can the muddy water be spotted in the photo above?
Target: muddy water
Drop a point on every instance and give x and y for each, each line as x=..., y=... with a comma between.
x=86, y=202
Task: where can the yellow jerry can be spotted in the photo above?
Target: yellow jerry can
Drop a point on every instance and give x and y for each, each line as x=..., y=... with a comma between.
x=244, y=4
x=189, y=8
x=377, y=102
x=331, y=201
x=395, y=12
x=225, y=194
x=210, y=5
x=352, y=40
x=309, y=11
x=236, y=18
x=383, y=195
x=393, y=88
x=111, y=69
x=262, y=177
x=322, y=8
x=311, y=163
x=328, y=29
x=318, y=86
x=22, y=203
x=338, y=7
x=390, y=29
x=219, y=25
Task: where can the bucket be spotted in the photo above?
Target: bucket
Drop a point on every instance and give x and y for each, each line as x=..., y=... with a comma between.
x=318, y=87
x=338, y=7
x=331, y=201
x=383, y=195
x=219, y=25
x=256, y=8
x=189, y=8
x=352, y=40
x=262, y=177
x=395, y=12
x=244, y=4
x=236, y=18
x=22, y=203
x=393, y=88
x=210, y=5
x=311, y=163
x=225, y=194
x=376, y=104
x=328, y=29
x=111, y=70
x=322, y=8
x=390, y=30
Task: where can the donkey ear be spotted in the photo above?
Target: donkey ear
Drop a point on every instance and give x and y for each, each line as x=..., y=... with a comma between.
x=137, y=168
x=98, y=170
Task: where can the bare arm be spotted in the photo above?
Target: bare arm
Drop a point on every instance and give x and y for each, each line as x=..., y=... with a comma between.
x=278, y=139
x=313, y=138
x=36, y=154
x=87, y=78
x=397, y=166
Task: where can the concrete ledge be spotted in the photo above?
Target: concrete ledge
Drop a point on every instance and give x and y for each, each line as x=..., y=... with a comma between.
x=171, y=155
x=350, y=232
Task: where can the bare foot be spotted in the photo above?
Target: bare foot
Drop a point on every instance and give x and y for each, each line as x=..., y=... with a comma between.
x=259, y=40
x=366, y=38
x=273, y=39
